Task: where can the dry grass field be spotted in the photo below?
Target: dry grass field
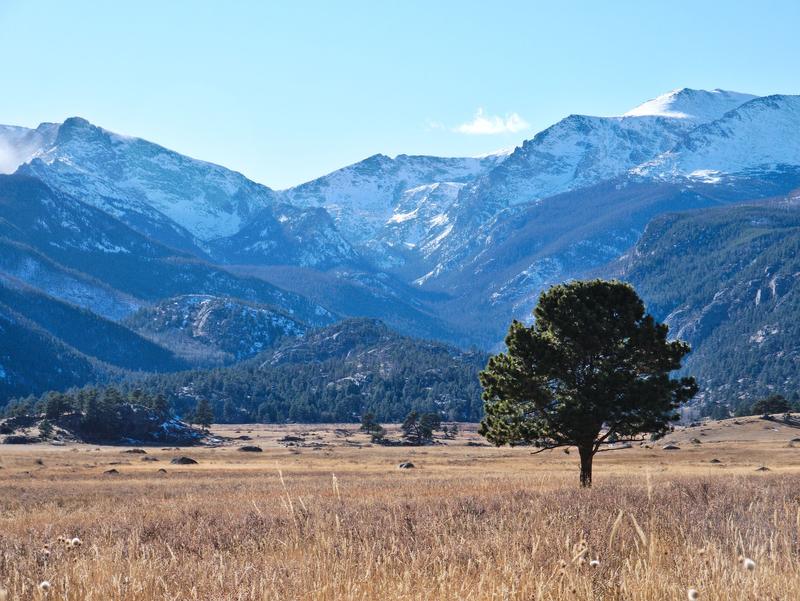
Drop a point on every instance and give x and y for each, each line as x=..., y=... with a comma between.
x=335, y=519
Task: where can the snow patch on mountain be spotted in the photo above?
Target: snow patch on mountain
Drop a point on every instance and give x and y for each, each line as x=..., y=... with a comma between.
x=420, y=216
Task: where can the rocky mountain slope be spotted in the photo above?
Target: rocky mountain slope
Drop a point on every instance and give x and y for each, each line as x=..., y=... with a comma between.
x=726, y=280
x=212, y=330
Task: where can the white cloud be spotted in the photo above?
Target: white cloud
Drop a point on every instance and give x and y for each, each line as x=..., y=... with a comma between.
x=483, y=124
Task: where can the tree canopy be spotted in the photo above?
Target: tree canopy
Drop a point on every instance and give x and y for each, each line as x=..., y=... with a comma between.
x=594, y=367
x=774, y=403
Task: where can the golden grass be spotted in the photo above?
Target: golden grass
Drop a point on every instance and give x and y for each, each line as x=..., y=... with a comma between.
x=342, y=522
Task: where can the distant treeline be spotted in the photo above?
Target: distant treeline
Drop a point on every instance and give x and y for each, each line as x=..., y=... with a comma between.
x=336, y=374
x=101, y=411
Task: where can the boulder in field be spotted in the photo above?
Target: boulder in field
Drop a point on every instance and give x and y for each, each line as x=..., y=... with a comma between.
x=671, y=447
x=183, y=461
x=406, y=465
x=251, y=449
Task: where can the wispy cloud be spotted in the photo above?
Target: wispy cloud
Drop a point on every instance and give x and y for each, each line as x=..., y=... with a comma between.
x=10, y=158
x=431, y=125
x=483, y=124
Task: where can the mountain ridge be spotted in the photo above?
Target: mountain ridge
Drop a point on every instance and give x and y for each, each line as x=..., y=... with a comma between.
x=444, y=247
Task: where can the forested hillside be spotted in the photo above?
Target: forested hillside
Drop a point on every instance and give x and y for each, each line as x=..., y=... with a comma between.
x=727, y=280
x=335, y=374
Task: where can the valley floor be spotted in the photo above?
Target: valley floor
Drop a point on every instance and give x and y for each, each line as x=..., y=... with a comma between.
x=333, y=518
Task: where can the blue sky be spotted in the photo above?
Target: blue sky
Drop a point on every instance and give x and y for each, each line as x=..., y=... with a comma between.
x=287, y=91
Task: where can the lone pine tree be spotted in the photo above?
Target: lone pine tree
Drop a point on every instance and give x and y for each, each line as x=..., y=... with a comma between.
x=593, y=367
x=203, y=414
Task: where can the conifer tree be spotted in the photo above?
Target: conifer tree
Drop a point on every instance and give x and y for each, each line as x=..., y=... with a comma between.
x=203, y=414
x=592, y=367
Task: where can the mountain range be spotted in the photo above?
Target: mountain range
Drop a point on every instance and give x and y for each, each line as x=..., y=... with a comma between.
x=197, y=265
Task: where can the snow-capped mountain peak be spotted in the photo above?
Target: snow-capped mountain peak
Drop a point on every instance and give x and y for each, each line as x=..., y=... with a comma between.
x=759, y=135
x=131, y=177
x=364, y=196
x=699, y=106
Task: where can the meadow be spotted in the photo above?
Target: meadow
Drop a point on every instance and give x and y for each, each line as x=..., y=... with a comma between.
x=332, y=517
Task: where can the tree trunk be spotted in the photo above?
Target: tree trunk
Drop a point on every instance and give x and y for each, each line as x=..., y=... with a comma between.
x=587, y=454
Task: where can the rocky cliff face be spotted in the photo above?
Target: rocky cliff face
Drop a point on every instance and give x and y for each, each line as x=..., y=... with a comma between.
x=211, y=330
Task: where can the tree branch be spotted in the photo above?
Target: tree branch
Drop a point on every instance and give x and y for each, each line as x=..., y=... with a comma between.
x=550, y=447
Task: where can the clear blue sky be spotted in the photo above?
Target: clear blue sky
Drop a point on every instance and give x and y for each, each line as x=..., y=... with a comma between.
x=286, y=91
